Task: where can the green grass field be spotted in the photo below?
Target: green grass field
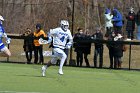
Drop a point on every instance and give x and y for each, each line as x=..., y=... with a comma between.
x=23, y=78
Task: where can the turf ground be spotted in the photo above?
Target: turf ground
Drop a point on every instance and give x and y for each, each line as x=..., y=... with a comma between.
x=23, y=78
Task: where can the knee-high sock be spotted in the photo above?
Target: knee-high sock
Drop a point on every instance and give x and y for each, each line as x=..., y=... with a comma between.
x=62, y=61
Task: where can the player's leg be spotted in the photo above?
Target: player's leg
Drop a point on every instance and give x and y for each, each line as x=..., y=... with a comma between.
x=52, y=61
x=59, y=53
x=66, y=52
x=41, y=60
x=63, y=57
x=5, y=52
x=45, y=67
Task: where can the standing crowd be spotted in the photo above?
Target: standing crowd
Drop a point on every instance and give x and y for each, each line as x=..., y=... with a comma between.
x=61, y=41
x=114, y=23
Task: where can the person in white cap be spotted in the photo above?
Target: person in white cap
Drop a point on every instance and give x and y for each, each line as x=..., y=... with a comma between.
x=3, y=49
x=130, y=25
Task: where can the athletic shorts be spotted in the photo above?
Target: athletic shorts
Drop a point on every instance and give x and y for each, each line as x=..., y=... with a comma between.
x=58, y=54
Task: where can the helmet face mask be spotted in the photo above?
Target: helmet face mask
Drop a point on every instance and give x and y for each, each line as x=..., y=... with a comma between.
x=64, y=25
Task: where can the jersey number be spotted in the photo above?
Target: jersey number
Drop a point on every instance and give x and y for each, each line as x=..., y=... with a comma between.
x=62, y=38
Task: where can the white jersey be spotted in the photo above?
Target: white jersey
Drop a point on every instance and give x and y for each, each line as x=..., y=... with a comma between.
x=60, y=38
x=108, y=20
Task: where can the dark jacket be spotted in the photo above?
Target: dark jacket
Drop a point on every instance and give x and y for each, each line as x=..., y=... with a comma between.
x=78, y=45
x=87, y=45
x=117, y=18
x=118, y=49
x=98, y=36
x=130, y=26
x=28, y=43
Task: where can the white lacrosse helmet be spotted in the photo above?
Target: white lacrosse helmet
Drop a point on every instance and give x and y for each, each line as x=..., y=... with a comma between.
x=1, y=18
x=64, y=25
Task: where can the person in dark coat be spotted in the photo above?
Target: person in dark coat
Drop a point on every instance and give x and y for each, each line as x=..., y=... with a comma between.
x=87, y=48
x=111, y=48
x=79, y=46
x=98, y=47
x=118, y=51
x=115, y=50
x=130, y=26
x=28, y=45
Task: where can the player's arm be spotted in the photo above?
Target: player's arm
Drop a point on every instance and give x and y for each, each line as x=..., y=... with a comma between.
x=8, y=40
x=53, y=32
x=70, y=42
x=45, y=40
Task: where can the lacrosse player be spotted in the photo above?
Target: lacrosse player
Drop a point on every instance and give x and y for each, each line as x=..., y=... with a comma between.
x=59, y=36
x=5, y=51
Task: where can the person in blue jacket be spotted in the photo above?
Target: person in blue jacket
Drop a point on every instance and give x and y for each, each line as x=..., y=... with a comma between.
x=117, y=21
x=137, y=19
x=5, y=51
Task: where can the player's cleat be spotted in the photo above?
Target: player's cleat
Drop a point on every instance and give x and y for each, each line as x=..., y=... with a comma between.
x=43, y=71
x=60, y=72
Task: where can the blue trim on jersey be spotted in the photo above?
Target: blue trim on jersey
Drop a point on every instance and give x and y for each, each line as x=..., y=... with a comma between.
x=1, y=28
x=1, y=31
x=2, y=46
x=1, y=34
x=0, y=40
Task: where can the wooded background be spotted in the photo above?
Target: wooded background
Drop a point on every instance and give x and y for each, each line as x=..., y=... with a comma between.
x=22, y=14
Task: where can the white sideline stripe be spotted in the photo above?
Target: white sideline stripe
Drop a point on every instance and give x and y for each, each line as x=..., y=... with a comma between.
x=18, y=92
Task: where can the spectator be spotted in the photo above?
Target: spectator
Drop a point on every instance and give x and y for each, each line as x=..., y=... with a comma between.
x=115, y=50
x=28, y=45
x=130, y=26
x=87, y=48
x=138, y=24
x=110, y=48
x=117, y=21
x=98, y=47
x=108, y=22
x=118, y=51
x=39, y=33
x=79, y=46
